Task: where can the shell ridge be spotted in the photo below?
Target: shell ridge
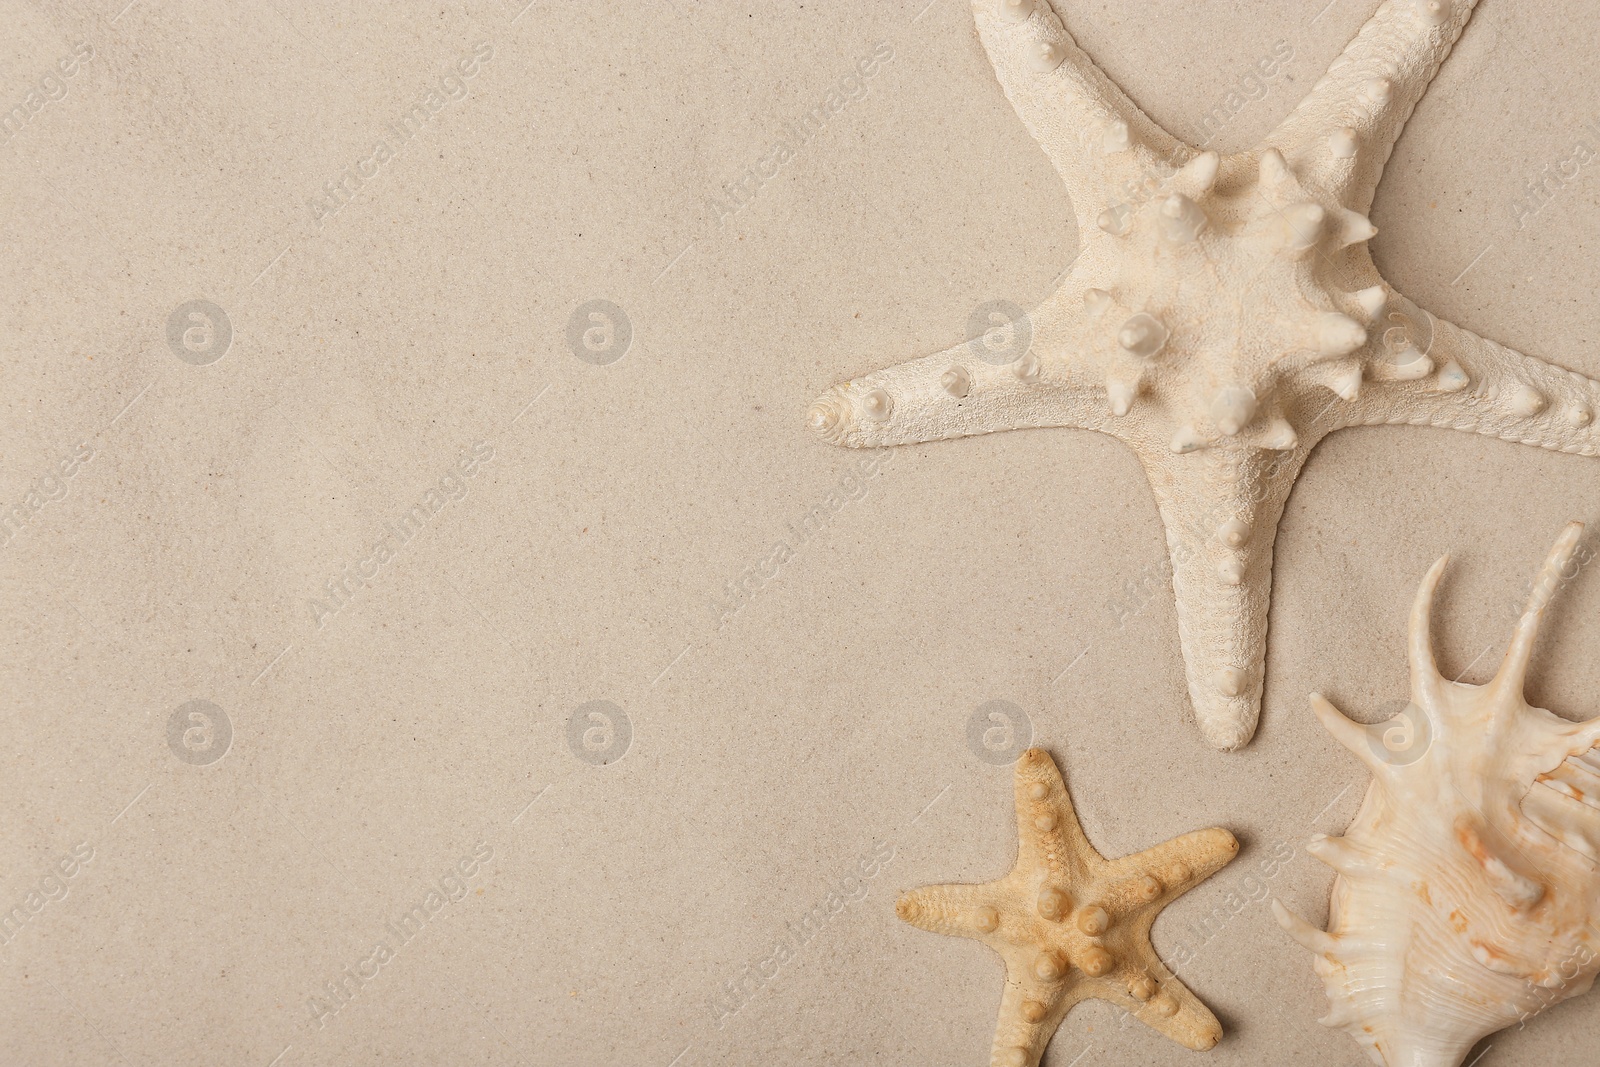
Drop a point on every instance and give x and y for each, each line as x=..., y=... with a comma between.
x=1468, y=887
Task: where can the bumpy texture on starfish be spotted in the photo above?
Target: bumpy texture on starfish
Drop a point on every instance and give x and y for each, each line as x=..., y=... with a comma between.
x=1072, y=925
x=1223, y=316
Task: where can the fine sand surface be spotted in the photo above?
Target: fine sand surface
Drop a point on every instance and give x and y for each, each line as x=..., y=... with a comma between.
x=342, y=502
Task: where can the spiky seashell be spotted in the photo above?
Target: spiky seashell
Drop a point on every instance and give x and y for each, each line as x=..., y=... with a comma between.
x=1469, y=883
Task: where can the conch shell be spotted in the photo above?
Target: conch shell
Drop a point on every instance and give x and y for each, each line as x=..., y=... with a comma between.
x=1469, y=882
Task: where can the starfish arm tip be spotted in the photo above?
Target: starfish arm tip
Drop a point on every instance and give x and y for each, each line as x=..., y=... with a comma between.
x=1219, y=546
x=963, y=391
x=1228, y=724
x=1177, y=1014
x=1341, y=135
x=1093, y=134
x=971, y=911
x=1467, y=382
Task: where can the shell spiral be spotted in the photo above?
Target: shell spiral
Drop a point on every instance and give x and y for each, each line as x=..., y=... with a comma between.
x=1469, y=883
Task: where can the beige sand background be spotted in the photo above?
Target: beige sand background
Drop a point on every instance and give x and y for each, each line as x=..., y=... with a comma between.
x=352, y=755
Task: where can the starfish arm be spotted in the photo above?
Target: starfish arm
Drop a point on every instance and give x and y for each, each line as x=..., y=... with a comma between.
x=1177, y=866
x=1470, y=383
x=1030, y=1013
x=1342, y=133
x=974, y=911
x=957, y=393
x=1174, y=1012
x=1105, y=148
x=1220, y=507
x=1050, y=838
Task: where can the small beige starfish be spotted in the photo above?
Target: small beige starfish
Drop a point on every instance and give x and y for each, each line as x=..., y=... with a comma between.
x=1224, y=316
x=1072, y=925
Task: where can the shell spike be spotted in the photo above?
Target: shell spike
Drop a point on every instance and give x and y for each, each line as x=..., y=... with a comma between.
x=1514, y=669
x=1306, y=935
x=1425, y=677
x=1349, y=733
x=1469, y=879
x=1587, y=736
x=1338, y=853
x=1116, y=220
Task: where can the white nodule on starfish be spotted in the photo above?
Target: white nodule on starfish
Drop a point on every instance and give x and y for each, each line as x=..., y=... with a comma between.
x=1373, y=300
x=1015, y=10
x=1232, y=408
x=1355, y=228
x=1142, y=335
x=1186, y=440
x=1121, y=392
x=1216, y=303
x=1043, y=57
x=1272, y=170
x=1433, y=12
x=1097, y=302
x=1199, y=174
x=1116, y=138
x=1293, y=231
x=1528, y=401
x=1337, y=335
x=957, y=382
x=1452, y=379
x=1342, y=376
x=1116, y=219
x=1181, y=219
x=1280, y=436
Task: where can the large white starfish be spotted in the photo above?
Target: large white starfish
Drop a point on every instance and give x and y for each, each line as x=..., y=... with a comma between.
x=1223, y=316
